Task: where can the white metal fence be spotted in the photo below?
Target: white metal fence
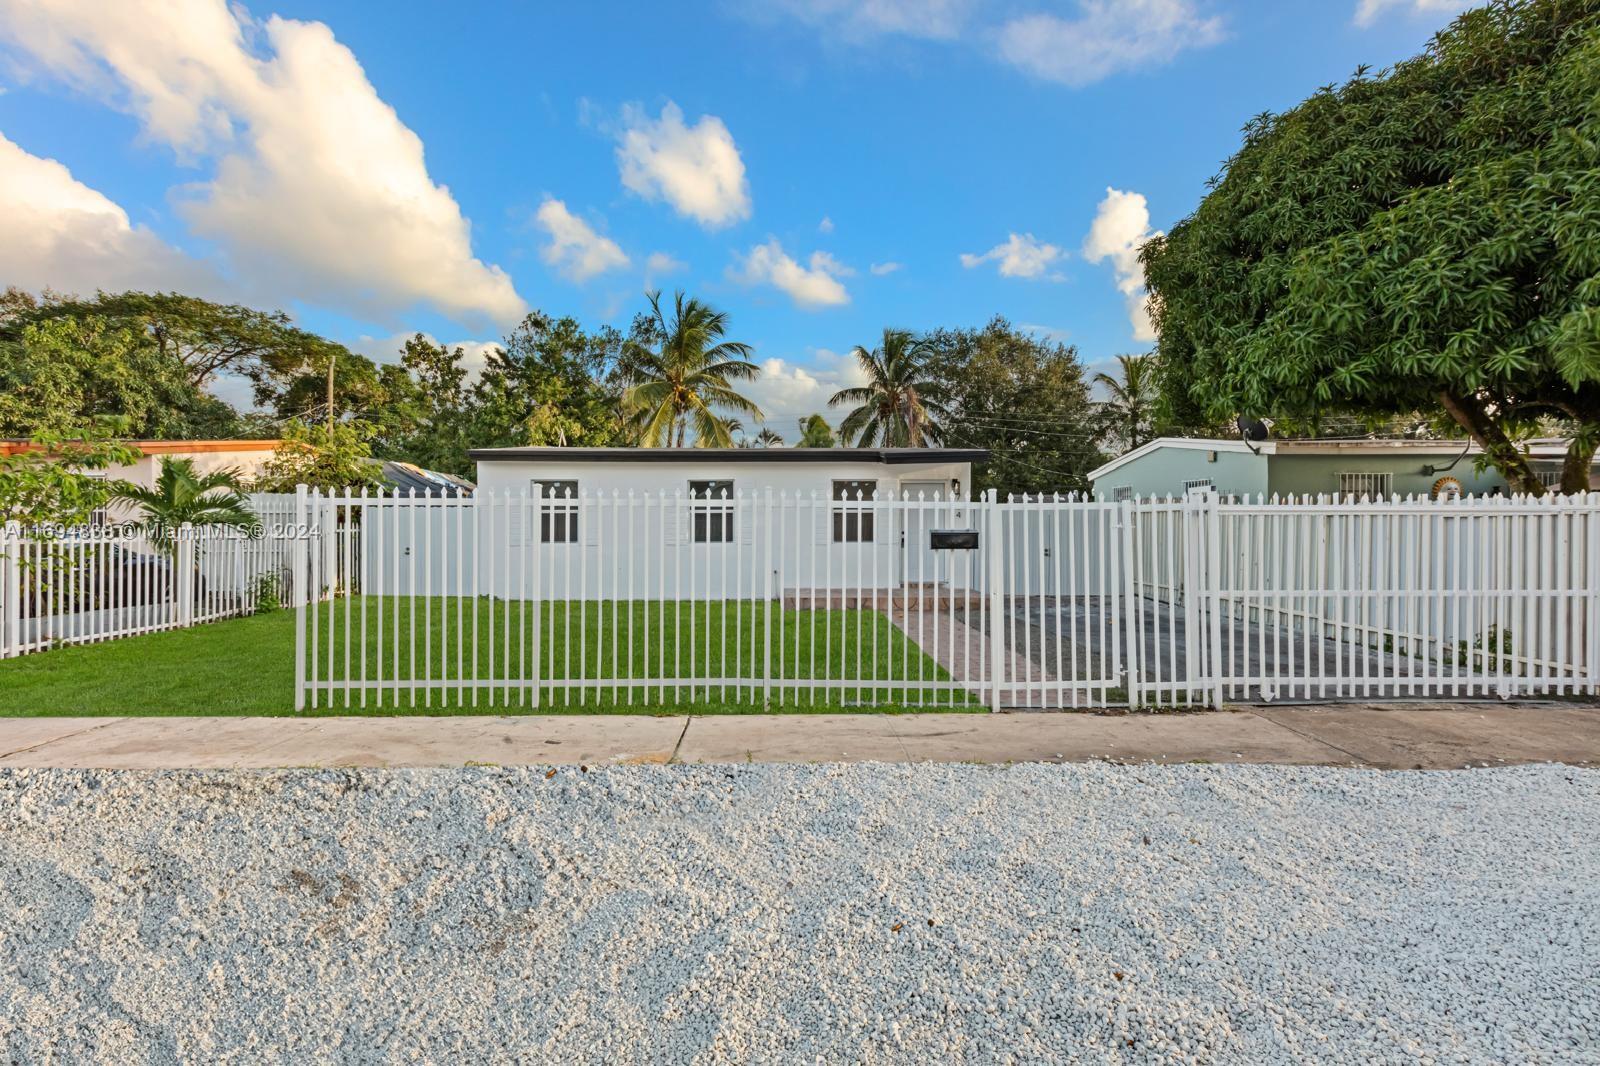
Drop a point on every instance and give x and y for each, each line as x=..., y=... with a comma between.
x=773, y=600
x=101, y=582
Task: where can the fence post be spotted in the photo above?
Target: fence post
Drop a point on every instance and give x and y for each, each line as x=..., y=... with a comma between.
x=183, y=580
x=302, y=576
x=1213, y=596
x=995, y=532
x=766, y=635
x=1193, y=583
x=11, y=590
x=1592, y=582
x=1132, y=613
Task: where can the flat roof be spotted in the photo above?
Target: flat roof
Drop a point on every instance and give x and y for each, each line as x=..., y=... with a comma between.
x=886, y=456
x=1538, y=448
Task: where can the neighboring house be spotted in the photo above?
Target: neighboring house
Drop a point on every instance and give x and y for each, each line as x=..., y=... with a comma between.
x=408, y=477
x=1172, y=466
x=244, y=457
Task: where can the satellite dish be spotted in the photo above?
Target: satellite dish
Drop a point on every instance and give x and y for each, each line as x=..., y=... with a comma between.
x=1252, y=429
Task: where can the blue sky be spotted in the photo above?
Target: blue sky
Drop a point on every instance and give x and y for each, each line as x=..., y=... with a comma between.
x=819, y=169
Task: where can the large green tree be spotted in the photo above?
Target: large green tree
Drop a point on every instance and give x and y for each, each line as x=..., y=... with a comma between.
x=206, y=338
x=551, y=384
x=60, y=372
x=1022, y=397
x=683, y=370
x=1424, y=239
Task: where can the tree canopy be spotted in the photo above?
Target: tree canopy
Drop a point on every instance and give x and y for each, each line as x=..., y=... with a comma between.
x=1427, y=238
x=1021, y=397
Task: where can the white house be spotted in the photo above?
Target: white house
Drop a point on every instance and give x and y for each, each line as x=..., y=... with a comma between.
x=690, y=522
x=245, y=457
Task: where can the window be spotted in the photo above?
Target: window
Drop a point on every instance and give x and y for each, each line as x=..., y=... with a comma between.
x=853, y=525
x=713, y=522
x=99, y=516
x=558, y=523
x=1121, y=493
x=1549, y=477
x=1201, y=484
x=1366, y=484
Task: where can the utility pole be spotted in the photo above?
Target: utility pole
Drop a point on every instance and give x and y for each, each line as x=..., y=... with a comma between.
x=333, y=357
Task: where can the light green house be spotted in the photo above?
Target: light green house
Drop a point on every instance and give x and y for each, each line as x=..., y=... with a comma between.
x=1172, y=466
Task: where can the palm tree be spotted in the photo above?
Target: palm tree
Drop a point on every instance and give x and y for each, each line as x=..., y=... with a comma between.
x=897, y=404
x=1129, y=410
x=815, y=433
x=686, y=377
x=768, y=438
x=182, y=496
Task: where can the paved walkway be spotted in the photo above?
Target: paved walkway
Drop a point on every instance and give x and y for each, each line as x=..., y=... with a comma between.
x=1388, y=736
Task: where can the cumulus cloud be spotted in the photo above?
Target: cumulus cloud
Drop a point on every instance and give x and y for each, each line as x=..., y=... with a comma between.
x=696, y=169
x=789, y=390
x=318, y=190
x=862, y=20
x=826, y=225
x=813, y=285
x=1108, y=36
x=55, y=231
x=1020, y=256
x=1121, y=227
x=880, y=269
x=659, y=263
x=574, y=248
x=1367, y=11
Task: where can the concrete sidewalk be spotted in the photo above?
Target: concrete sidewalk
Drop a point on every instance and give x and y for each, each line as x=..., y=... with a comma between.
x=1386, y=736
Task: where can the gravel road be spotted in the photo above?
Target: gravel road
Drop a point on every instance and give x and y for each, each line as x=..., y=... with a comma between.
x=864, y=913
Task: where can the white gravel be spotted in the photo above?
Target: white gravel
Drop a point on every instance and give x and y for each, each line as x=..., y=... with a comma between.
x=863, y=913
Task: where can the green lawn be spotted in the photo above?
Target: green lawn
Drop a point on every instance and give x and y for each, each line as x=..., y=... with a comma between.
x=246, y=666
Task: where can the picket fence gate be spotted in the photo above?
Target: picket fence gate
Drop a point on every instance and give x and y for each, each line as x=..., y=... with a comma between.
x=775, y=601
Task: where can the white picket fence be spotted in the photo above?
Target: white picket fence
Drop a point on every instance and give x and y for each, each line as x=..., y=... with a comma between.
x=774, y=601
x=94, y=583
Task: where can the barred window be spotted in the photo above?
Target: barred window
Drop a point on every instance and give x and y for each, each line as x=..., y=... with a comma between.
x=558, y=523
x=1366, y=484
x=713, y=522
x=853, y=525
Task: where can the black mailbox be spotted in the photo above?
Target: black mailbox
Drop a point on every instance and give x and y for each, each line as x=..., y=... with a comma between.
x=952, y=539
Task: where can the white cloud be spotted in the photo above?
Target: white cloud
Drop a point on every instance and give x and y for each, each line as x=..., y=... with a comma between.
x=789, y=390
x=318, y=191
x=55, y=231
x=826, y=225
x=1108, y=36
x=880, y=269
x=815, y=285
x=1020, y=256
x=575, y=249
x=862, y=20
x=1121, y=227
x=696, y=168
x=1367, y=11
x=659, y=263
